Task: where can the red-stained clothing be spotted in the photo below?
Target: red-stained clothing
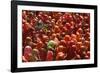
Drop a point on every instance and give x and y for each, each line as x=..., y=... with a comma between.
x=49, y=56
x=42, y=54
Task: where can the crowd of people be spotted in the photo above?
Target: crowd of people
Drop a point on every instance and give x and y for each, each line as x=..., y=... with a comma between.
x=53, y=36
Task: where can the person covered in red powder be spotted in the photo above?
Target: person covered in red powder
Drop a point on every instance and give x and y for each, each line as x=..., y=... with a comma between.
x=53, y=36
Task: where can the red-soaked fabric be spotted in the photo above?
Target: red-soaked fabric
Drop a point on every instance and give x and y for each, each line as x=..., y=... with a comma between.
x=43, y=54
x=49, y=56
